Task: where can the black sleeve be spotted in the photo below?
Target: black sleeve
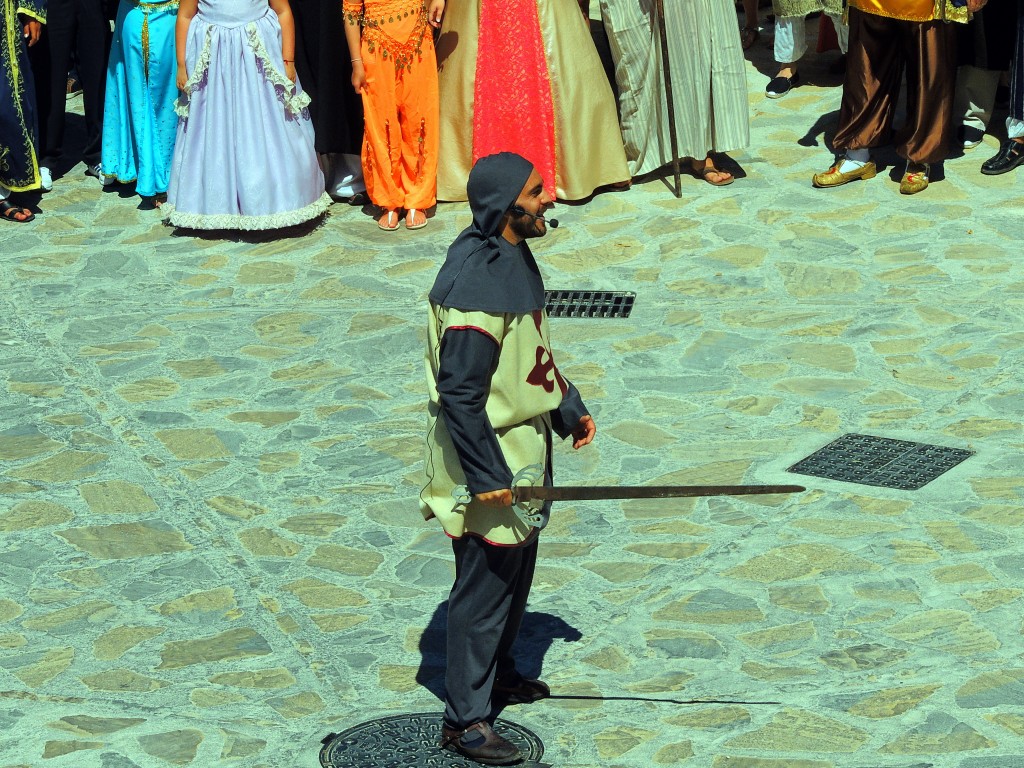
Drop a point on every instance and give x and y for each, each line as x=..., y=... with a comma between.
x=468, y=359
x=566, y=417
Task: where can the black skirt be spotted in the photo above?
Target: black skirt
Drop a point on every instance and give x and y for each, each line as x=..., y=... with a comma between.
x=325, y=71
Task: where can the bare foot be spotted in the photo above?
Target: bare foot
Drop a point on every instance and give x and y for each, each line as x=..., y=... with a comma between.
x=389, y=221
x=415, y=219
x=705, y=169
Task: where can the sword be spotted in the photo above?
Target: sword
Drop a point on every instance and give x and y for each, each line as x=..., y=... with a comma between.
x=529, y=500
x=524, y=494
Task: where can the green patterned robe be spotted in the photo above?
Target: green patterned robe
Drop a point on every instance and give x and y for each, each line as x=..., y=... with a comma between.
x=19, y=166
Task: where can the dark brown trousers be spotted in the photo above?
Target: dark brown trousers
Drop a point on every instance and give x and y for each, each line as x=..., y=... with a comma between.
x=880, y=50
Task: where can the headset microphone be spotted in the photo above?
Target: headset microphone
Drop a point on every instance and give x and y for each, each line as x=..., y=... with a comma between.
x=518, y=210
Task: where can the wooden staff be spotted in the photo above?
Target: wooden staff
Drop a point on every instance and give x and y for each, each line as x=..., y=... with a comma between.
x=669, y=100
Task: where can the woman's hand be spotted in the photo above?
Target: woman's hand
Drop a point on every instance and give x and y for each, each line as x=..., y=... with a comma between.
x=975, y=5
x=289, y=70
x=358, y=76
x=182, y=79
x=434, y=13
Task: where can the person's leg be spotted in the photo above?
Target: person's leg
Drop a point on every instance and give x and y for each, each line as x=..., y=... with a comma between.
x=419, y=118
x=931, y=72
x=790, y=40
x=749, y=33
x=382, y=142
x=974, y=101
x=487, y=584
x=872, y=82
x=870, y=89
x=790, y=46
x=156, y=151
x=1015, y=118
x=92, y=48
x=52, y=87
x=1011, y=153
x=506, y=665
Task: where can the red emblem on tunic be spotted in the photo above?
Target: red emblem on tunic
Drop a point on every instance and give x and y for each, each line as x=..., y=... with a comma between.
x=544, y=373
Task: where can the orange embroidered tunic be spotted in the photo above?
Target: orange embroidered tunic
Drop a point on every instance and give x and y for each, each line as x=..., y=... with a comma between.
x=394, y=28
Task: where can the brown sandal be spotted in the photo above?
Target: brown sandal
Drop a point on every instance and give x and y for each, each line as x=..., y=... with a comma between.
x=749, y=36
x=488, y=747
x=703, y=173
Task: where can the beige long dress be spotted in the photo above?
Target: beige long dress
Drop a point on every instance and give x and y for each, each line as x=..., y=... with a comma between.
x=588, y=143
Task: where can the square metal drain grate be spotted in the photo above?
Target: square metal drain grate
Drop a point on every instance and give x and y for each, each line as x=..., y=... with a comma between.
x=880, y=461
x=589, y=303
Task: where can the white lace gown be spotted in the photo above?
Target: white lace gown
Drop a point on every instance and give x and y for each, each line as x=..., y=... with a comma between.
x=244, y=156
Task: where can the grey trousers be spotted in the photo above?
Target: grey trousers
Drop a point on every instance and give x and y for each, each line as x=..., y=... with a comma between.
x=485, y=609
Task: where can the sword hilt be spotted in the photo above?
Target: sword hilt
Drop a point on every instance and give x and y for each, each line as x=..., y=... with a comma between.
x=531, y=511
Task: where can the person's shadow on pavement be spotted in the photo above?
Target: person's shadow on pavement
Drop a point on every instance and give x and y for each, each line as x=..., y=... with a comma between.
x=536, y=635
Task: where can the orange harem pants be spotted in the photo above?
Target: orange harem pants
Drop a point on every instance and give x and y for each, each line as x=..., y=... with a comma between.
x=880, y=48
x=401, y=114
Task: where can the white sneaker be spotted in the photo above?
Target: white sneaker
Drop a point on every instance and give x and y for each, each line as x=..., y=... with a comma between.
x=45, y=179
x=97, y=171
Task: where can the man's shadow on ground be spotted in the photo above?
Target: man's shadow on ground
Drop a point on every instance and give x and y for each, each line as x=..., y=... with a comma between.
x=537, y=634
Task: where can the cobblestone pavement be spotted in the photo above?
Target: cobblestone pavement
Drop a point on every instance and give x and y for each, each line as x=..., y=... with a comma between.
x=210, y=457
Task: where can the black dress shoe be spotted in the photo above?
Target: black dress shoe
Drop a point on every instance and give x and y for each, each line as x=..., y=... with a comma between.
x=1010, y=155
x=780, y=86
x=480, y=744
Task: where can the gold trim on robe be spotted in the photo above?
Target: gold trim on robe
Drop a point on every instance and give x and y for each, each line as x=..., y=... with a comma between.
x=913, y=10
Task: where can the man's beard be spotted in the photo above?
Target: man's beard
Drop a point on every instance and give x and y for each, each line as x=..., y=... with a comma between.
x=525, y=227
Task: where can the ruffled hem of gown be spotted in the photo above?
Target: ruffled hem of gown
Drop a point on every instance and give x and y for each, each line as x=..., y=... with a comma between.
x=240, y=221
x=293, y=102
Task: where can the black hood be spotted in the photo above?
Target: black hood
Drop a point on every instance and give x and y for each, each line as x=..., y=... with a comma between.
x=484, y=271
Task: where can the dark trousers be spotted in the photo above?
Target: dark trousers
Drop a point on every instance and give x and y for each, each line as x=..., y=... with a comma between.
x=1017, y=68
x=880, y=49
x=80, y=27
x=485, y=609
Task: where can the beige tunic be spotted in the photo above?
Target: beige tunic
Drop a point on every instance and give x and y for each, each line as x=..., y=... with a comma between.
x=525, y=388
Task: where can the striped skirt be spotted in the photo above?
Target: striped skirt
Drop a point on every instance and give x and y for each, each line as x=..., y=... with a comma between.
x=709, y=83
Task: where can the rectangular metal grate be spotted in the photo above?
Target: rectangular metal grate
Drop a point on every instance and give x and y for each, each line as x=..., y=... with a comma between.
x=589, y=303
x=880, y=461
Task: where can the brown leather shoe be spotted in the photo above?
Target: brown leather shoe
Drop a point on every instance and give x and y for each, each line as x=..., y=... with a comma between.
x=480, y=744
x=915, y=179
x=833, y=177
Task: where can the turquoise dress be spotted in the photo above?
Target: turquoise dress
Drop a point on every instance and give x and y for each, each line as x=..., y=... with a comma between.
x=139, y=122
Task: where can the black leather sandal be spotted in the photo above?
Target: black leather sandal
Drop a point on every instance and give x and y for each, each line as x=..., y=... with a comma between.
x=9, y=211
x=1010, y=155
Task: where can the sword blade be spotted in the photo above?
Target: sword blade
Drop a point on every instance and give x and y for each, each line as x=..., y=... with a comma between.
x=599, y=492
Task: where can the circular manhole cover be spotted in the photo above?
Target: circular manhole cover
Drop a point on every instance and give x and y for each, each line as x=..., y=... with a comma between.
x=410, y=741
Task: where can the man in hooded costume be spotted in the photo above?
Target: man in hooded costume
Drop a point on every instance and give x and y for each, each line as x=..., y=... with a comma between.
x=495, y=397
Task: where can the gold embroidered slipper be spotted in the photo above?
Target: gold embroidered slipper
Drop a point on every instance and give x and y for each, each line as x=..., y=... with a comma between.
x=915, y=179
